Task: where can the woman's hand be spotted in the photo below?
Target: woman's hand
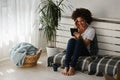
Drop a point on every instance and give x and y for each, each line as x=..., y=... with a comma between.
x=80, y=25
x=77, y=34
x=81, y=29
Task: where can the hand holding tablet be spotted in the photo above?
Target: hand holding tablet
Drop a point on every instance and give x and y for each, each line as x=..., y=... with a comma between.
x=73, y=30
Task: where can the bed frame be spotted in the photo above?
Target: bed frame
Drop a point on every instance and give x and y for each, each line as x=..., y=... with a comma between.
x=108, y=34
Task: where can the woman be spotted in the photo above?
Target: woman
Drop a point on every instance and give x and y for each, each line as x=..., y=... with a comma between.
x=79, y=43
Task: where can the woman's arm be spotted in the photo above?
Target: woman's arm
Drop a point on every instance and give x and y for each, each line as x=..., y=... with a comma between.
x=87, y=42
x=78, y=35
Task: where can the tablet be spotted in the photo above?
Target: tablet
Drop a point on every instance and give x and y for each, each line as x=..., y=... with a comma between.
x=73, y=30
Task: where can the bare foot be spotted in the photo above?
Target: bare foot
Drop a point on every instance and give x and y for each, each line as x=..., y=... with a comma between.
x=71, y=71
x=65, y=71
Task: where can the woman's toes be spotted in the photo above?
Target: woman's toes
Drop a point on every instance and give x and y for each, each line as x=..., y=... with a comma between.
x=71, y=71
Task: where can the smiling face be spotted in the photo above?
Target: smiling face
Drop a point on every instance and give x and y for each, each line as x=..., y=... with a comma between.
x=81, y=24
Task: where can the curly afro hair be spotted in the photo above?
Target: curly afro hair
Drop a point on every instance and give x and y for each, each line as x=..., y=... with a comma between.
x=84, y=13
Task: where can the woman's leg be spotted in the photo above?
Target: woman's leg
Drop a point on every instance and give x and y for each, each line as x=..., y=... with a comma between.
x=79, y=50
x=69, y=53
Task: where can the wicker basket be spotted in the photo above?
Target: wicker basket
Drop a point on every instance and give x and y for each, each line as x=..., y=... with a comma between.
x=31, y=60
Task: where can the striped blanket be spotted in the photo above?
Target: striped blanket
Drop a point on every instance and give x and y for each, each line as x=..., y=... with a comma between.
x=104, y=65
x=97, y=65
x=56, y=59
x=82, y=63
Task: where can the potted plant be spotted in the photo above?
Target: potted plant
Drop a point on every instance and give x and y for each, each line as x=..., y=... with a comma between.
x=50, y=15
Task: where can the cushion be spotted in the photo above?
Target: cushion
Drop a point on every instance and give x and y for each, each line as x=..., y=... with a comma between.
x=83, y=62
x=50, y=61
x=104, y=65
x=58, y=59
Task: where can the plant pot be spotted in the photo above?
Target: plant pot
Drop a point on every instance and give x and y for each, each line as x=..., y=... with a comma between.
x=52, y=51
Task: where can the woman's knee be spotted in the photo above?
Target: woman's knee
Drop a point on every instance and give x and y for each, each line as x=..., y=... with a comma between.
x=71, y=40
x=79, y=41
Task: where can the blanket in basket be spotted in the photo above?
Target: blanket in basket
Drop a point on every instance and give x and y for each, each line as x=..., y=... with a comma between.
x=18, y=53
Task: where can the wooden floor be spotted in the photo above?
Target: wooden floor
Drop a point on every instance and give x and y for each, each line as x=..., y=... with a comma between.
x=8, y=71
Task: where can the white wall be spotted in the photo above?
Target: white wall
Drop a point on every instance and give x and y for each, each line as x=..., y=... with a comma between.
x=99, y=8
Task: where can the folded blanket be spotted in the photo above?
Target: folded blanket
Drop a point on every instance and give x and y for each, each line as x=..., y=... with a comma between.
x=18, y=53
